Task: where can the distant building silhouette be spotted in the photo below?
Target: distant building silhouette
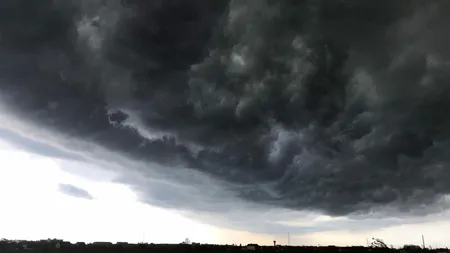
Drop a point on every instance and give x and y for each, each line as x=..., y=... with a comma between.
x=252, y=247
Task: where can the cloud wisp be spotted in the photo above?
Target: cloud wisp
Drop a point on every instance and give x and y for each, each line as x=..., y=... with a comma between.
x=313, y=107
x=74, y=191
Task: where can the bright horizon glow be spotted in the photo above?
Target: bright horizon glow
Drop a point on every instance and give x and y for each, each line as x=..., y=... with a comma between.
x=34, y=209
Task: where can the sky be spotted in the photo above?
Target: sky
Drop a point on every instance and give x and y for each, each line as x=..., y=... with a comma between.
x=43, y=197
x=225, y=122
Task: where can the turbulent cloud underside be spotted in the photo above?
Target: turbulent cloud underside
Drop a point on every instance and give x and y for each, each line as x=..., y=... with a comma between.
x=301, y=105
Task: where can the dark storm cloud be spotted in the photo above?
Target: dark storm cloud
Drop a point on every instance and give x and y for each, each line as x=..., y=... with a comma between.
x=74, y=191
x=336, y=106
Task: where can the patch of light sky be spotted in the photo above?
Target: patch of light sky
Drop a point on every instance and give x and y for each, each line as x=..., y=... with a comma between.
x=33, y=208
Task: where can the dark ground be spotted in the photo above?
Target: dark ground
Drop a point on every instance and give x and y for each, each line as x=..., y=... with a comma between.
x=44, y=247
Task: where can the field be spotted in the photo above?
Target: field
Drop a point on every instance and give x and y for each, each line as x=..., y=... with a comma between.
x=60, y=246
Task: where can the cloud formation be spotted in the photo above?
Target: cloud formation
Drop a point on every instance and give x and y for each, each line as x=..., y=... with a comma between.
x=37, y=147
x=74, y=191
x=337, y=107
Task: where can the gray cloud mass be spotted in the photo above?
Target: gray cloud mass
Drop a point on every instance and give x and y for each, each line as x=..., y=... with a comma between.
x=36, y=146
x=331, y=106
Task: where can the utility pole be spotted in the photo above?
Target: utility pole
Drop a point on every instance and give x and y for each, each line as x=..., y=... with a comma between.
x=143, y=236
x=289, y=239
x=423, y=242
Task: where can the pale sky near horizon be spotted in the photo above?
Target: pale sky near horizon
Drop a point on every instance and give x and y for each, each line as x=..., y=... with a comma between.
x=33, y=208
